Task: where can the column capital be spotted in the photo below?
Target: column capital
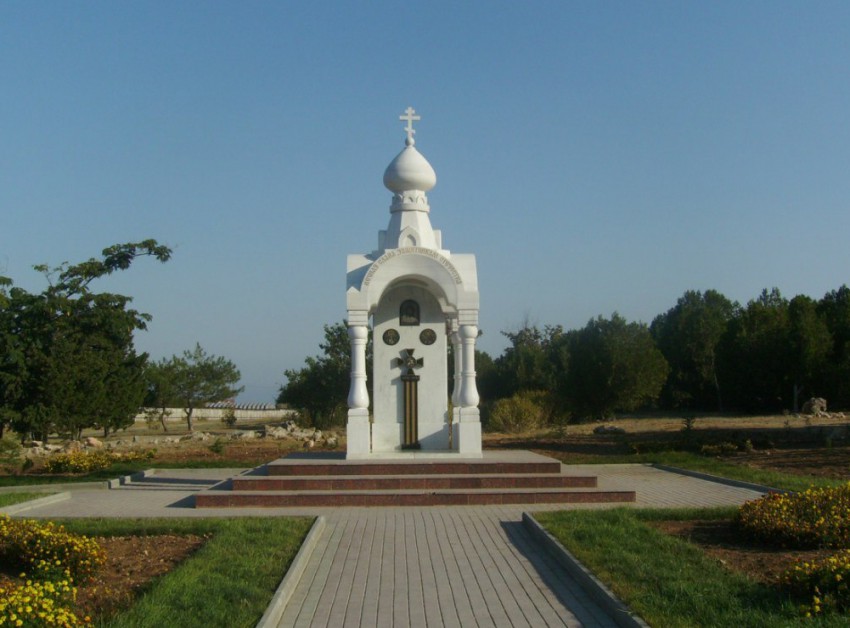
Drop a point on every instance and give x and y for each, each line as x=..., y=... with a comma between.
x=358, y=318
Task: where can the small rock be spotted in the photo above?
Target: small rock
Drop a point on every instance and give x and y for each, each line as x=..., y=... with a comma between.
x=815, y=405
x=275, y=432
x=608, y=429
x=91, y=441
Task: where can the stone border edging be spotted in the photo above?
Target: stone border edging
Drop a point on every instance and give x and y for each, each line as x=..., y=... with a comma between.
x=274, y=611
x=15, y=509
x=602, y=595
x=719, y=479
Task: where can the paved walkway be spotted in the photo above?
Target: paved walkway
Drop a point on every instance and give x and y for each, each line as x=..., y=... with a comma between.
x=453, y=566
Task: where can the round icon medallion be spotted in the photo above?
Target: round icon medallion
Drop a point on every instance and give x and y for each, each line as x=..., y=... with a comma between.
x=428, y=336
x=390, y=337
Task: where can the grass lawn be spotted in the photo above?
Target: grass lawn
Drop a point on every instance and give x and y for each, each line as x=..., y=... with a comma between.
x=713, y=466
x=118, y=470
x=228, y=582
x=667, y=581
x=8, y=499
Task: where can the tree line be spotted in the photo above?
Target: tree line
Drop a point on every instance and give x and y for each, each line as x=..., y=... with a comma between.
x=68, y=360
x=705, y=354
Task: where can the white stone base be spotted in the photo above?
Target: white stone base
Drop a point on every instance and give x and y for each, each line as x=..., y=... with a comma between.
x=358, y=436
x=468, y=434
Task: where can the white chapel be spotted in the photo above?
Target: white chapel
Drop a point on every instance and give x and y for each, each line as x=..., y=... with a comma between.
x=419, y=298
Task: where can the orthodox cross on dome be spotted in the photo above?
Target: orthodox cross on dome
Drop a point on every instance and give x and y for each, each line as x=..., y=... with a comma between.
x=410, y=116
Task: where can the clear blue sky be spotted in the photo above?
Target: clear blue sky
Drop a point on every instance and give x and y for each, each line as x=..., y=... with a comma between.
x=594, y=156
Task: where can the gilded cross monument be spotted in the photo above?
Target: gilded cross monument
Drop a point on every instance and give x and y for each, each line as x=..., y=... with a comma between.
x=410, y=381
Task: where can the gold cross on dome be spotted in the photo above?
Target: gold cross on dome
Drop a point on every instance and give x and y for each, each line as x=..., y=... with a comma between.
x=410, y=116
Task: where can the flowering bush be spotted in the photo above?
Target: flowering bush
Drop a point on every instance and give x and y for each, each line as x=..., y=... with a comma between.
x=815, y=518
x=89, y=462
x=47, y=550
x=79, y=462
x=134, y=456
x=825, y=582
x=39, y=604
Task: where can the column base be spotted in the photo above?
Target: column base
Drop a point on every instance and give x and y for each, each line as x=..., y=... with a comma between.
x=469, y=432
x=358, y=434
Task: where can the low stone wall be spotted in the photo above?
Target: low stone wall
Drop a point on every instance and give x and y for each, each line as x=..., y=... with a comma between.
x=216, y=414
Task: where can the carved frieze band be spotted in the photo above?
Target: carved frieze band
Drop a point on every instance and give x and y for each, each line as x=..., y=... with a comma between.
x=412, y=250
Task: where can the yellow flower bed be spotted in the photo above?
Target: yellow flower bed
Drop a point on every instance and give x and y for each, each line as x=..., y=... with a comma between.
x=36, y=604
x=48, y=550
x=79, y=462
x=89, y=462
x=815, y=518
x=825, y=582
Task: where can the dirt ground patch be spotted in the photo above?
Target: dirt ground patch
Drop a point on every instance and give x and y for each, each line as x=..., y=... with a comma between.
x=819, y=447
x=832, y=462
x=132, y=563
x=722, y=540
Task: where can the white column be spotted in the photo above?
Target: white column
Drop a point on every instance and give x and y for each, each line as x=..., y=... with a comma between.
x=358, y=396
x=469, y=427
x=469, y=391
x=457, y=352
x=358, y=430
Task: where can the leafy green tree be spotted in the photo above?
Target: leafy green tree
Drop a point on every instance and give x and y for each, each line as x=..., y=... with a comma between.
x=68, y=359
x=688, y=335
x=613, y=366
x=809, y=343
x=525, y=365
x=320, y=388
x=834, y=308
x=200, y=379
x=160, y=384
x=775, y=350
x=754, y=355
x=486, y=375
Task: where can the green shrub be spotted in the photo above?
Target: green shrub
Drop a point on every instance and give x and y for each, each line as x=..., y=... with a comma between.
x=721, y=449
x=519, y=413
x=10, y=453
x=228, y=417
x=814, y=518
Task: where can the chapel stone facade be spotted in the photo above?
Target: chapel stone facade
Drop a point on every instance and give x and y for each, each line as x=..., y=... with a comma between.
x=420, y=298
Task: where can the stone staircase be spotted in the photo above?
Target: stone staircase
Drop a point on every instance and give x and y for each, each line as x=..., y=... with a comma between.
x=418, y=479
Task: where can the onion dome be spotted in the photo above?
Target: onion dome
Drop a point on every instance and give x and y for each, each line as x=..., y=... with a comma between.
x=409, y=175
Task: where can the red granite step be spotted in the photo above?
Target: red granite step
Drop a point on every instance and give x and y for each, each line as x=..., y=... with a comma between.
x=287, y=466
x=406, y=482
x=278, y=499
